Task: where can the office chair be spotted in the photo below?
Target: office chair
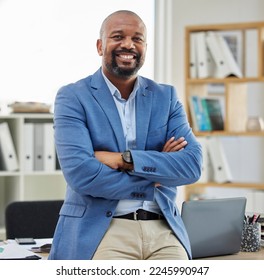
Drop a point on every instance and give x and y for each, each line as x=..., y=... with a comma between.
x=35, y=219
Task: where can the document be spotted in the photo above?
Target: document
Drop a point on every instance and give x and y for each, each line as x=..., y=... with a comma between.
x=10, y=250
x=14, y=251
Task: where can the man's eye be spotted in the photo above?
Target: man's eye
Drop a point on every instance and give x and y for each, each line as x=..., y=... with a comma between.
x=117, y=37
x=138, y=39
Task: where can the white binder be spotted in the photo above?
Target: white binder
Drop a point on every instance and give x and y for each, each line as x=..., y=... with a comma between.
x=38, y=146
x=193, y=62
x=8, y=156
x=207, y=171
x=222, y=173
x=222, y=55
x=211, y=65
x=49, y=155
x=28, y=162
x=201, y=53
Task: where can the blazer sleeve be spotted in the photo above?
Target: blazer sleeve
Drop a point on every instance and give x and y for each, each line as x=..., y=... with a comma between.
x=172, y=168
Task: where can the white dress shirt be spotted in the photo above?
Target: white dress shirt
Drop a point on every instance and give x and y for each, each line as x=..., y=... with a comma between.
x=127, y=113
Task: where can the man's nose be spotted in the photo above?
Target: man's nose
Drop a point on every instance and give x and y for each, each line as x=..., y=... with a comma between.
x=127, y=43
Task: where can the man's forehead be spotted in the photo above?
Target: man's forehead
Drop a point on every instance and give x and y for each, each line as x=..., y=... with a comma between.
x=121, y=22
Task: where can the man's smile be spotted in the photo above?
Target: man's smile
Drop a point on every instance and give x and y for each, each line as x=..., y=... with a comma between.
x=126, y=57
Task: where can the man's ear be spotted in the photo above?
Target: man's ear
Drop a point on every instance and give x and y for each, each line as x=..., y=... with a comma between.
x=99, y=47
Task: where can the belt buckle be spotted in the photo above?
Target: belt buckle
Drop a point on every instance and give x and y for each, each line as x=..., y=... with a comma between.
x=135, y=216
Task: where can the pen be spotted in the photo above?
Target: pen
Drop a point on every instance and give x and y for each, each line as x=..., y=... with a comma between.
x=253, y=219
x=257, y=218
x=250, y=219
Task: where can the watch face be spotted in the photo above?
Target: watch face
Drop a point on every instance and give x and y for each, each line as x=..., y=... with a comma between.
x=127, y=157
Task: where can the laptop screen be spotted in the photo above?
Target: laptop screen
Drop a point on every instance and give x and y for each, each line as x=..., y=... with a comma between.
x=214, y=226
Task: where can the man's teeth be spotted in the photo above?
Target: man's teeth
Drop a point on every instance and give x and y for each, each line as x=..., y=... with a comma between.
x=126, y=56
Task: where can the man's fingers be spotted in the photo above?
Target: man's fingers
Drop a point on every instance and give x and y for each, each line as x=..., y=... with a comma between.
x=168, y=143
x=173, y=145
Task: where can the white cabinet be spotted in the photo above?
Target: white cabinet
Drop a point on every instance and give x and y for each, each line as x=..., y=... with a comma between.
x=27, y=185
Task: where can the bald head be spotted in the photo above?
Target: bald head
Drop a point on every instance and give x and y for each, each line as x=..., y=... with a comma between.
x=119, y=14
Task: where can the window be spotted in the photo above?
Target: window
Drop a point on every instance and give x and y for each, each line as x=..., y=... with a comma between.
x=46, y=44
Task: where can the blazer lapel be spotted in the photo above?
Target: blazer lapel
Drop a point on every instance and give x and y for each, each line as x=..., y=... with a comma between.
x=104, y=97
x=143, y=113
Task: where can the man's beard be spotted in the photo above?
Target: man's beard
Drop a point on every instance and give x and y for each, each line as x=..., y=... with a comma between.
x=122, y=72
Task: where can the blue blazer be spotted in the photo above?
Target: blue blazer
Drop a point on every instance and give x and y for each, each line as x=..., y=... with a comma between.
x=86, y=120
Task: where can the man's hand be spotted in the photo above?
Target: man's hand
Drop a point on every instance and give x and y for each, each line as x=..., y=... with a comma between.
x=173, y=145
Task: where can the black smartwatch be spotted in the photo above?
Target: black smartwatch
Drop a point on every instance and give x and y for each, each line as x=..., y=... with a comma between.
x=127, y=157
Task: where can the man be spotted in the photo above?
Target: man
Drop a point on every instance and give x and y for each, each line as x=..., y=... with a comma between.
x=124, y=145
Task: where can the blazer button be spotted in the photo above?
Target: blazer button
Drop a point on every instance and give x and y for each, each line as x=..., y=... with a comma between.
x=133, y=194
x=109, y=214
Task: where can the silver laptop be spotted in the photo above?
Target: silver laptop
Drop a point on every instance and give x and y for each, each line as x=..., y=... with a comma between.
x=214, y=226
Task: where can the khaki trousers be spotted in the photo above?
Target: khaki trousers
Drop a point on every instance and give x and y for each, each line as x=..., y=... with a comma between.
x=139, y=240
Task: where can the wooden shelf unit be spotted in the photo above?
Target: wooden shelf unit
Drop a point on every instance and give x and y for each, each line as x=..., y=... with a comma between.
x=235, y=96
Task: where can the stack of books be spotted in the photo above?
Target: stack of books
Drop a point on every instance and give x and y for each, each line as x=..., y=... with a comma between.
x=206, y=113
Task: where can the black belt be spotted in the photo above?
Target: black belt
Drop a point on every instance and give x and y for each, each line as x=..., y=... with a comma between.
x=141, y=214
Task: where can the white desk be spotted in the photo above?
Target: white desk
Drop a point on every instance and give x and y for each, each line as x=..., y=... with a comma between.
x=11, y=250
x=241, y=256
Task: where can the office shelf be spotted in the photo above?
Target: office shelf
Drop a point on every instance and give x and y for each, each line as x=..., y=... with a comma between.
x=235, y=93
x=27, y=185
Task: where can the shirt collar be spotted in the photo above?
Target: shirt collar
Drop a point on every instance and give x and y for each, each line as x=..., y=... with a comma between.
x=115, y=92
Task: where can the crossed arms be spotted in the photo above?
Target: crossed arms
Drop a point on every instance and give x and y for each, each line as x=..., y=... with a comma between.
x=114, y=159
